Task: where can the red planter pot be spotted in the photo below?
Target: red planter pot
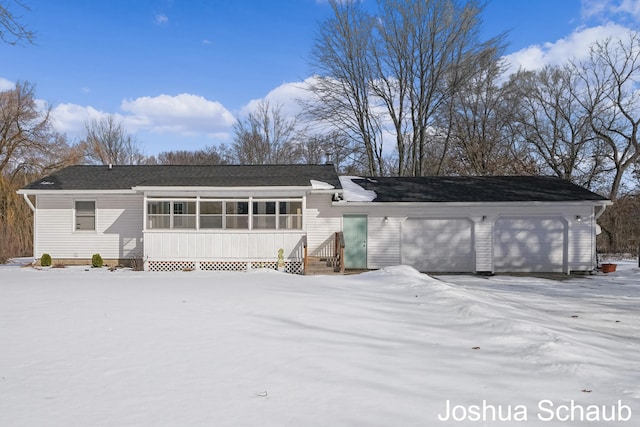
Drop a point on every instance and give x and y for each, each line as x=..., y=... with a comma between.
x=608, y=268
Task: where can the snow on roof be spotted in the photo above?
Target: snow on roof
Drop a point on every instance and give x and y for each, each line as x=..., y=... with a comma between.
x=354, y=192
x=321, y=185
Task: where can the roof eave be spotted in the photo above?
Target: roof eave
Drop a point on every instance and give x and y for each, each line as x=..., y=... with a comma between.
x=462, y=204
x=35, y=192
x=145, y=188
x=226, y=192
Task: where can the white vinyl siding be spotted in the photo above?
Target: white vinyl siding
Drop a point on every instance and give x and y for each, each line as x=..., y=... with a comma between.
x=118, y=227
x=322, y=221
x=581, y=244
x=383, y=244
x=483, y=244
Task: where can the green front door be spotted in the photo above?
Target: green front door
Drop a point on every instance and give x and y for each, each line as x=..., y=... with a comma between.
x=355, y=241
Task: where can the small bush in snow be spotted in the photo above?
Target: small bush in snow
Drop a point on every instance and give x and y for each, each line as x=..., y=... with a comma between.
x=96, y=261
x=280, y=258
x=45, y=260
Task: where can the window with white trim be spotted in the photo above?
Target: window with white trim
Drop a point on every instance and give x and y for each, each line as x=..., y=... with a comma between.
x=277, y=214
x=85, y=215
x=290, y=215
x=237, y=214
x=211, y=214
x=184, y=214
x=264, y=215
x=225, y=214
x=158, y=214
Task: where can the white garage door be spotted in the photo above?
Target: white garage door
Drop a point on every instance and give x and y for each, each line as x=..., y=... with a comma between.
x=438, y=245
x=529, y=245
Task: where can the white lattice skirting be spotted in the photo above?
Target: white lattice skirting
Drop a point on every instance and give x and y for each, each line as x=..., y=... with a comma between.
x=293, y=267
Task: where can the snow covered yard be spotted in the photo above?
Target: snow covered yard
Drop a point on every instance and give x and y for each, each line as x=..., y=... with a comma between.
x=87, y=347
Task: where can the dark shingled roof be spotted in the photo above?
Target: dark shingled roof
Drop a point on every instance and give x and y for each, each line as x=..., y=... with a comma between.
x=125, y=177
x=476, y=189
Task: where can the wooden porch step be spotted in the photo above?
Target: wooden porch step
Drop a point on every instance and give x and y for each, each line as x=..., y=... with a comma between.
x=319, y=265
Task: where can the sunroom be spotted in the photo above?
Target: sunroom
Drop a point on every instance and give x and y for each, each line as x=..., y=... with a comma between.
x=220, y=232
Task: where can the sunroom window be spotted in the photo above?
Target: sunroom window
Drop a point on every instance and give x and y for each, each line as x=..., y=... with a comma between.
x=171, y=214
x=264, y=215
x=237, y=215
x=211, y=214
x=184, y=214
x=290, y=215
x=158, y=215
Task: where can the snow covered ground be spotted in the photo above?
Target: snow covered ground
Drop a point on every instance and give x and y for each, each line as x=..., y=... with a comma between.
x=88, y=347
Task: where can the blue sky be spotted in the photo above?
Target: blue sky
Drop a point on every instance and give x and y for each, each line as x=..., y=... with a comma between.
x=178, y=72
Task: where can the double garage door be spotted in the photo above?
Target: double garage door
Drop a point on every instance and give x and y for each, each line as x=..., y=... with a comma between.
x=520, y=244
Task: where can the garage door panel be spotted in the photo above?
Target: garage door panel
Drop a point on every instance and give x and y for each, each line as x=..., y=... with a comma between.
x=529, y=245
x=438, y=245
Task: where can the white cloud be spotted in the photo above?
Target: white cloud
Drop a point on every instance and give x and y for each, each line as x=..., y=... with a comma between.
x=286, y=96
x=6, y=84
x=183, y=114
x=606, y=10
x=595, y=8
x=161, y=19
x=575, y=46
x=71, y=118
x=632, y=7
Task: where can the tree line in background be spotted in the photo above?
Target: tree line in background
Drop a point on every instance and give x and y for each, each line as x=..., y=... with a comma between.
x=407, y=89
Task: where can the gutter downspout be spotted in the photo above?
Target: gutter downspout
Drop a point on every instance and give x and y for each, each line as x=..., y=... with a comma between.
x=597, y=215
x=26, y=199
x=33, y=209
x=600, y=212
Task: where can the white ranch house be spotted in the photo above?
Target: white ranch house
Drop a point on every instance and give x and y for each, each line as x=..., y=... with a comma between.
x=234, y=217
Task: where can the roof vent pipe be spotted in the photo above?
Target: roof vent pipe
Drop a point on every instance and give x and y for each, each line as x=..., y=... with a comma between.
x=110, y=166
x=328, y=158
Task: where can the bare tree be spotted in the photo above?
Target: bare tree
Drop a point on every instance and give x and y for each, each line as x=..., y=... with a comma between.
x=335, y=148
x=29, y=148
x=477, y=122
x=424, y=52
x=621, y=226
x=11, y=30
x=266, y=136
x=28, y=141
x=610, y=97
x=391, y=71
x=108, y=142
x=341, y=90
x=205, y=156
x=553, y=123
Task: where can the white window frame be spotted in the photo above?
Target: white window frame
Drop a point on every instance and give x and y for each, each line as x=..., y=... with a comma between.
x=250, y=214
x=75, y=216
x=194, y=215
